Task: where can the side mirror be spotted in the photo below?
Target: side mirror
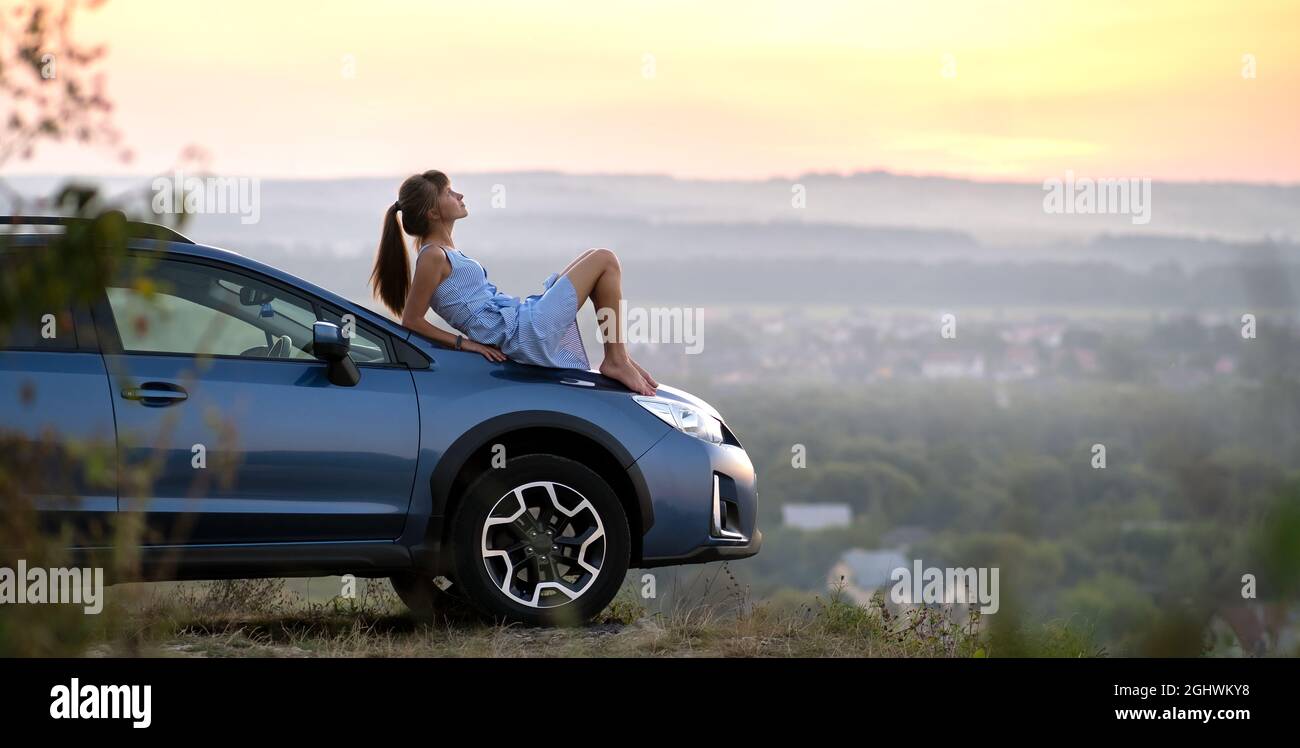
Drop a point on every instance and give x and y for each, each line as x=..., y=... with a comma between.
x=329, y=344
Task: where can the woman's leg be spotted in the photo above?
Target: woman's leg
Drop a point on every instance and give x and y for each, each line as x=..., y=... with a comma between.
x=565, y=271
x=579, y=258
x=597, y=275
x=639, y=367
x=576, y=260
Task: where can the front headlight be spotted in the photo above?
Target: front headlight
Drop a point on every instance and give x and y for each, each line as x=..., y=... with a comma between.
x=683, y=417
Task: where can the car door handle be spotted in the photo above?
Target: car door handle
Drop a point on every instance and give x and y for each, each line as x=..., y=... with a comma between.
x=156, y=393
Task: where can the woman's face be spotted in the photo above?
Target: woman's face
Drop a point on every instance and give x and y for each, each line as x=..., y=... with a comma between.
x=450, y=205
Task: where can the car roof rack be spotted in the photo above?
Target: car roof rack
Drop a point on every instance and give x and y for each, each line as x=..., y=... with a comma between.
x=138, y=229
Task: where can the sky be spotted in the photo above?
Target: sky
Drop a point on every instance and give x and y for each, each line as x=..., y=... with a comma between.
x=755, y=89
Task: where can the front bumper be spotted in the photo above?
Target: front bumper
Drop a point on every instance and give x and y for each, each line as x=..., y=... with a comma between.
x=705, y=554
x=704, y=498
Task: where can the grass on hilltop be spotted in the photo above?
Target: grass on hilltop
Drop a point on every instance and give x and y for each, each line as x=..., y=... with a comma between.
x=265, y=618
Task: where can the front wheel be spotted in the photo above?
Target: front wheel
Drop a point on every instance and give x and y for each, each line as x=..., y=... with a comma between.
x=543, y=541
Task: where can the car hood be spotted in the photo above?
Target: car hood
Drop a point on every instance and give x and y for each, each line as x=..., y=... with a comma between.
x=597, y=381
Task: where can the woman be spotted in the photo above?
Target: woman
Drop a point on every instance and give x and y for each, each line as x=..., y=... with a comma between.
x=540, y=329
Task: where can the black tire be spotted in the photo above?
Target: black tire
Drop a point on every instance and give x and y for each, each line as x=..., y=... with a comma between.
x=427, y=601
x=559, y=534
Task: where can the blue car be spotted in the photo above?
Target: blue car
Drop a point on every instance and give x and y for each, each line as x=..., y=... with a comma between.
x=287, y=431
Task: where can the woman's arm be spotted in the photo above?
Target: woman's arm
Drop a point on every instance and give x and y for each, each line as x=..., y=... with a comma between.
x=431, y=269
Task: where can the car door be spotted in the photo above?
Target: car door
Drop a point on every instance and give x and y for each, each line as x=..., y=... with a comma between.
x=229, y=430
x=56, y=423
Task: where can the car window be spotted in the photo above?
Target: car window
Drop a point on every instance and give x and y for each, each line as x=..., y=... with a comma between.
x=171, y=306
x=367, y=345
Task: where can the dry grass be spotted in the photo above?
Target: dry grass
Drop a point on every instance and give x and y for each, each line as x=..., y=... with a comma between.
x=261, y=618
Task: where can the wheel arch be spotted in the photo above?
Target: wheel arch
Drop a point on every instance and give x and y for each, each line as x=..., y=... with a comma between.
x=538, y=432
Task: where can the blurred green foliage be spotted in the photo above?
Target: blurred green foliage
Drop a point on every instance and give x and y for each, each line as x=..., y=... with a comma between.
x=1198, y=490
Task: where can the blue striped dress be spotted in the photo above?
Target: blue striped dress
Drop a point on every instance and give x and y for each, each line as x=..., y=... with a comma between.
x=541, y=329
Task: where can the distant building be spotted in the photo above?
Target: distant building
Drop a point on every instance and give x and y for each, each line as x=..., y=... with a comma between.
x=1019, y=362
x=1047, y=333
x=860, y=573
x=953, y=365
x=817, y=516
x=871, y=570
x=1225, y=365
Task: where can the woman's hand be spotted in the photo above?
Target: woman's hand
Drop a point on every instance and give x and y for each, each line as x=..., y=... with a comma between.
x=490, y=353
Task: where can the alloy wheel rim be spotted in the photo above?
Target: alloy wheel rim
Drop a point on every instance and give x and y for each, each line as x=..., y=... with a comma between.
x=543, y=544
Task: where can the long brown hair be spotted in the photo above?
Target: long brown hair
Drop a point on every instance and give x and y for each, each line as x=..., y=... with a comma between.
x=391, y=277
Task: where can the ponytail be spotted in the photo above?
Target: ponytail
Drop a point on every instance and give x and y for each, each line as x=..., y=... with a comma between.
x=391, y=277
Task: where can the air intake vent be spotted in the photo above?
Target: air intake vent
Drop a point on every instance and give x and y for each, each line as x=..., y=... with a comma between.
x=726, y=509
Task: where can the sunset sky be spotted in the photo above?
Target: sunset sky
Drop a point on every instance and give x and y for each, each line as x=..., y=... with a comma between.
x=748, y=89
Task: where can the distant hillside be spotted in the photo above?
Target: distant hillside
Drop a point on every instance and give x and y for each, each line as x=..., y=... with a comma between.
x=551, y=211
x=869, y=238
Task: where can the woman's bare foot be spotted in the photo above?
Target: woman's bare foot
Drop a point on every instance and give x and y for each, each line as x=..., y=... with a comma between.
x=645, y=374
x=627, y=373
